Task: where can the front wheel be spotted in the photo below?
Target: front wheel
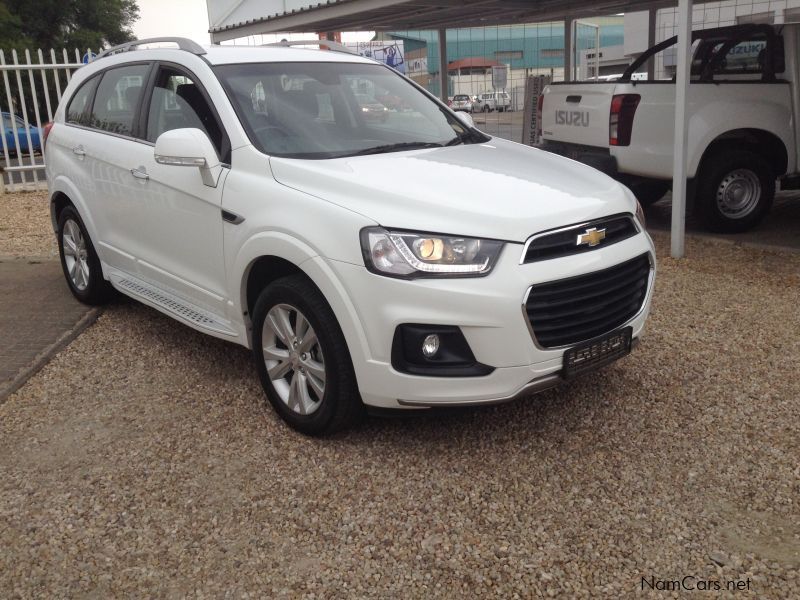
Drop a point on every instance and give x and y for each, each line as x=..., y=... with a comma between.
x=302, y=358
x=735, y=191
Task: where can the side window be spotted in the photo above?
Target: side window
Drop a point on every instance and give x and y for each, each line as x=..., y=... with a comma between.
x=117, y=98
x=78, y=107
x=178, y=102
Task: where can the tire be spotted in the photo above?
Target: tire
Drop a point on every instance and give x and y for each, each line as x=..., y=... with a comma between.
x=735, y=191
x=485, y=109
x=650, y=191
x=312, y=388
x=79, y=260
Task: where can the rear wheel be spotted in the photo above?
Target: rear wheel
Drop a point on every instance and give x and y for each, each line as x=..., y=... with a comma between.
x=302, y=358
x=735, y=192
x=79, y=261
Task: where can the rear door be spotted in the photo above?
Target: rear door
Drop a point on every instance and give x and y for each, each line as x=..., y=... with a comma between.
x=107, y=143
x=577, y=113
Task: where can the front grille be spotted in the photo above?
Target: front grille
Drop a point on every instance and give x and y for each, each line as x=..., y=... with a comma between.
x=580, y=308
x=563, y=242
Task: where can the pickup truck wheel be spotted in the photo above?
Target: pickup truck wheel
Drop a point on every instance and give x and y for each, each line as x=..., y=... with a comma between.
x=302, y=358
x=735, y=191
x=80, y=262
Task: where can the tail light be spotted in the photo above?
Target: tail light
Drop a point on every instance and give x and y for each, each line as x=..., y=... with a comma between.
x=539, y=112
x=45, y=133
x=620, y=123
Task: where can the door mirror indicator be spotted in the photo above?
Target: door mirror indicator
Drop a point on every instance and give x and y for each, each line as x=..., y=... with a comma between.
x=189, y=147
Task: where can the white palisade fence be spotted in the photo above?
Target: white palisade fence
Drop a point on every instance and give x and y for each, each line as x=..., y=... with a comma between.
x=32, y=86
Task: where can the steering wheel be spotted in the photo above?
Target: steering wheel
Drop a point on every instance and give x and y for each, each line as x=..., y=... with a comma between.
x=270, y=130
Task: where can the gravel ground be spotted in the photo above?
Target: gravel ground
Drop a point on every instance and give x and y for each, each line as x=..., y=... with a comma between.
x=142, y=461
x=25, y=228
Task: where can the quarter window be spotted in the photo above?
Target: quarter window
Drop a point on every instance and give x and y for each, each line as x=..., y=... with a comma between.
x=118, y=98
x=78, y=107
x=178, y=102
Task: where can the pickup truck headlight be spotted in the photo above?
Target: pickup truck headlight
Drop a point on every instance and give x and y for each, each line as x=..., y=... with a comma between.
x=410, y=255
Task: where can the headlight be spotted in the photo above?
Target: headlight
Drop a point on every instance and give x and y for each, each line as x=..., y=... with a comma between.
x=640, y=215
x=410, y=255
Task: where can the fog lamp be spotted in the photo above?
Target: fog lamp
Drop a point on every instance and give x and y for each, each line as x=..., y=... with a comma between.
x=430, y=346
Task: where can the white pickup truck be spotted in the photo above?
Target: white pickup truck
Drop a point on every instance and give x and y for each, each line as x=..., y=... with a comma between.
x=744, y=104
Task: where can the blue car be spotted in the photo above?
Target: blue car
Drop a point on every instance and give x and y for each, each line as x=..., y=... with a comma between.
x=22, y=135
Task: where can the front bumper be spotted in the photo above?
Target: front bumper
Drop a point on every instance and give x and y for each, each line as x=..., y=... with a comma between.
x=488, y=310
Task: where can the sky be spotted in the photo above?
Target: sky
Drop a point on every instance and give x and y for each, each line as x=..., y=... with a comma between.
x=189, y=18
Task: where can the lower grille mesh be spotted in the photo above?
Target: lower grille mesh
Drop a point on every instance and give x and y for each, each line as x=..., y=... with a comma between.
x=580, y=308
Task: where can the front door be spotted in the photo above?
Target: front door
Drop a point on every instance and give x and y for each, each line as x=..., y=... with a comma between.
x=180, y=239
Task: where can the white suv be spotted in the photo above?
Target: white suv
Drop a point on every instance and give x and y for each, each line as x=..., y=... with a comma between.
x=247, y=193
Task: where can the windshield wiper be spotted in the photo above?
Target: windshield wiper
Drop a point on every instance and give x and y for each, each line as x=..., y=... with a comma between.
x=459, y=139
x=395, y=148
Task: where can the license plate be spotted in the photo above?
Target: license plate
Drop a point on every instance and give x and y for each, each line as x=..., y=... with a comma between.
x=597, y=353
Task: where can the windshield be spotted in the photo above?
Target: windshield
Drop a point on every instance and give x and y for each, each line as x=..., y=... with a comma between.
x=330, y=110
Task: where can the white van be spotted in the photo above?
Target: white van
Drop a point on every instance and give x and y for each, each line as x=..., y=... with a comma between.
x=491, y=101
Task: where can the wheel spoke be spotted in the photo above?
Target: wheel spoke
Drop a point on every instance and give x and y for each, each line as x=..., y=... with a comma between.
x=308, y=342
x=70, y=248
x=73, y=269
x=316, y=385
x=306, y=402
x=294, y=395
x=301, y=326
x=275, y=353
x=316, y=368
x=85, y=271
x=278, y=321
x=280, y=369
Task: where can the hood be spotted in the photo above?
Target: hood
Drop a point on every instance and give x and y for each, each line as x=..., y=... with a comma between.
x=497, y=189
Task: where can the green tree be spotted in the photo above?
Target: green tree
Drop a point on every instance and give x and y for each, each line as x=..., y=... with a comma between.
x=66, y=23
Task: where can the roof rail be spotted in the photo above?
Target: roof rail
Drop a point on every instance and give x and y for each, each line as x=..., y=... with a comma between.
x=330, y=44
x=183, y=44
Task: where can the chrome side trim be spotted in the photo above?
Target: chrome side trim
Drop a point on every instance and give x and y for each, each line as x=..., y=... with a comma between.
x=542, y=234
x=532, y=387
x=650, y=283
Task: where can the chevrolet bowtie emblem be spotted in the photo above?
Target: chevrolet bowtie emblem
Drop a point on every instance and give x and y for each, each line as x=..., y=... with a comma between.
x=592, y=237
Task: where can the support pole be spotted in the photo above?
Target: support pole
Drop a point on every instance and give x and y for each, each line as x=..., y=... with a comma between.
x=651, y=41
x=568, y=48
x=677, y=237
x=443, y=64
x=596, y=54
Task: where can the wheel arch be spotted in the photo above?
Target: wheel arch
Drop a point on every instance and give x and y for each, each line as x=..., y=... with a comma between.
x=272, y=255
x=758, y=141
x=64, y=193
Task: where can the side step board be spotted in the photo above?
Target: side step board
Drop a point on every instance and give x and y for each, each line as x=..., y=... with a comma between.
x=170, y=304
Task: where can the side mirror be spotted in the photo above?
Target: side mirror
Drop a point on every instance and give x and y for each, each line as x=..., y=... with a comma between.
x=466, y=119
x=189, y=147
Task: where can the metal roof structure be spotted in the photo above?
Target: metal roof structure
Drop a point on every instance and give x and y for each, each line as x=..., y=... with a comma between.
x=230, y=19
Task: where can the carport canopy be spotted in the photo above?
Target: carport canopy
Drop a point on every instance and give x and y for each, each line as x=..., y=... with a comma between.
x=232, y=19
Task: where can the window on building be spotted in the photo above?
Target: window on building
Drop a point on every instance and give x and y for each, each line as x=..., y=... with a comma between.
x=763, y=17
x=508, y=55
x=552, y=52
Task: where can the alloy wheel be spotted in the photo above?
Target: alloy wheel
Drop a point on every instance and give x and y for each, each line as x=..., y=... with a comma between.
x=76, y=256
x=293, y=357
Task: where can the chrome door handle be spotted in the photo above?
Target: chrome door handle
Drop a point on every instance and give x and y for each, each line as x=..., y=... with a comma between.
x=79, y=151
x=140, y=173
